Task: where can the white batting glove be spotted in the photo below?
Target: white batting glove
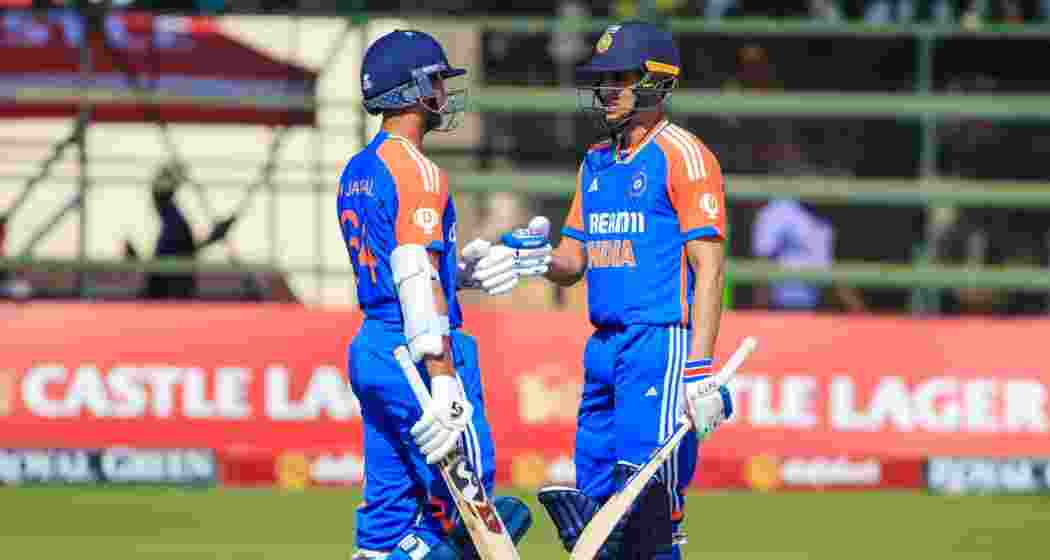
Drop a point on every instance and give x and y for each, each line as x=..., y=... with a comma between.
x=444, y=419
x=468, y=262
x=524, y=252
x=497, y=273
x=707, y=405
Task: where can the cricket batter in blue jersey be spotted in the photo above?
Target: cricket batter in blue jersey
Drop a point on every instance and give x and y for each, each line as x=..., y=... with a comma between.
x=399, y=225
x=646, y=228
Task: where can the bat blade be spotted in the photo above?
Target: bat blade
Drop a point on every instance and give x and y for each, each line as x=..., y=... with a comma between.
x=601, y=525
x=483, y=523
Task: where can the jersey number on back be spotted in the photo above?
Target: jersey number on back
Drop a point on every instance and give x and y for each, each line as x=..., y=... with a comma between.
x=359, y=232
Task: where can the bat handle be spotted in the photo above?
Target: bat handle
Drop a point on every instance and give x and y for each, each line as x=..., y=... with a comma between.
x=408, y=368
x=729, y=369
x=415, y=380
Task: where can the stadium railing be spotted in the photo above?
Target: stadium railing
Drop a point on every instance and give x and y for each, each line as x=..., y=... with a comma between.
x=923, y=104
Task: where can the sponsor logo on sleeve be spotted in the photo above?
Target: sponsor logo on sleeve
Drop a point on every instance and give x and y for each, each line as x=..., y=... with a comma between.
x=709, y=205
x=426, y=219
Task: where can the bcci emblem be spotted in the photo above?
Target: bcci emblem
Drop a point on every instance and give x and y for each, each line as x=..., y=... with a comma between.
x=637, y=185
x=606, y=39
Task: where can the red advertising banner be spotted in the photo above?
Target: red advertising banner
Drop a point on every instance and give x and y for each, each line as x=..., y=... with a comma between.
x=148, y=68
x=826, y=401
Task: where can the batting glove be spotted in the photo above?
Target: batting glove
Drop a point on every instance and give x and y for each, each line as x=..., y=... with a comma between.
x=468, y=263
x=523, y=252
x=496, y=273
x=708, y=405
x=532, y=247
x=444, y=419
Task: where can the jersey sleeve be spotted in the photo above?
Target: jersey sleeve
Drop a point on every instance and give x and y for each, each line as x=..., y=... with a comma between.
x=422, y=195
x=697, y=192
x=574, y=221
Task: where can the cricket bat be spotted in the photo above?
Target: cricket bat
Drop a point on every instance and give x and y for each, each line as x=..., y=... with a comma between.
x=601, y=525
x=479, y=515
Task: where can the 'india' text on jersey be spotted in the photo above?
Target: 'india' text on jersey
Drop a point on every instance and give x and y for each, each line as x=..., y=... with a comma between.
x=634, y=216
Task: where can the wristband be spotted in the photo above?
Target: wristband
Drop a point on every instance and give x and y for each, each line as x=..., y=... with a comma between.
x=695, y=370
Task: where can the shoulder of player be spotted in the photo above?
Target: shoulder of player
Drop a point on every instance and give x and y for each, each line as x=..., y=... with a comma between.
x=595, y=155
x=688, y=154
x=600, y=146
x=412, y=171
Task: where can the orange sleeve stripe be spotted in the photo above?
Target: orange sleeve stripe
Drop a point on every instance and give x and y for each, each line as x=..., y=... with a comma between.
x=676, y=177
x=575, y=217
x=422, y=194
x=694, y=183
x=690, y=149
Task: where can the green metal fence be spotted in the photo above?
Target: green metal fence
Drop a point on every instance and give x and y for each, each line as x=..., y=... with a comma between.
x=923, y=104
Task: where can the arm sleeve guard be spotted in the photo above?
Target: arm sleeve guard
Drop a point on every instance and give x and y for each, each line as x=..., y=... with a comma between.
x=414, y=277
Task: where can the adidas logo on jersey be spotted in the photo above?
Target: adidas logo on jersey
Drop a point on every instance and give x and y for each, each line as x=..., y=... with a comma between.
x=594, y=186
x=651, y=392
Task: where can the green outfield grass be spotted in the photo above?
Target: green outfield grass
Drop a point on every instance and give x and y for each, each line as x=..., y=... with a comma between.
x=127, y=523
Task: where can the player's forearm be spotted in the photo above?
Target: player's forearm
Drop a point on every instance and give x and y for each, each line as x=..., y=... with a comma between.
x=706, y=314
x=440, y=365
x=707, y=259
x=564, y=270
x=568, y=263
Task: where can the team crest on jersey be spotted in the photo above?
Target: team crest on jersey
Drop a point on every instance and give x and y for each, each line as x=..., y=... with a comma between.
x=638, y=184
x=425, y=218
x=606, y=40
x=709, y=205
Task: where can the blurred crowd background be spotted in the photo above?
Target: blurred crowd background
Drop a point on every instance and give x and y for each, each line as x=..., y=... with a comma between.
x=988, y=51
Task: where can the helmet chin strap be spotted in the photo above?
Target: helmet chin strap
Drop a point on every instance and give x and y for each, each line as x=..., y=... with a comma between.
x=620, y=127
x=433, y=117
x=644, y=101
x=431, y=120
x=615, y=127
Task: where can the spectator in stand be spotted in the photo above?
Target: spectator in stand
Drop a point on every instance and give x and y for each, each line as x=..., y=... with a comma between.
x=828, y=10
x=631, y=9
x=881, y=12
x=779, y=151
x=981, y=237
x=794, y=236
x=176, y=238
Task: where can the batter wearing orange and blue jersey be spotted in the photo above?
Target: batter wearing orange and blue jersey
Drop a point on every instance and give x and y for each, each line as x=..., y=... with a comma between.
x=646, y=229
x=399, y=225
